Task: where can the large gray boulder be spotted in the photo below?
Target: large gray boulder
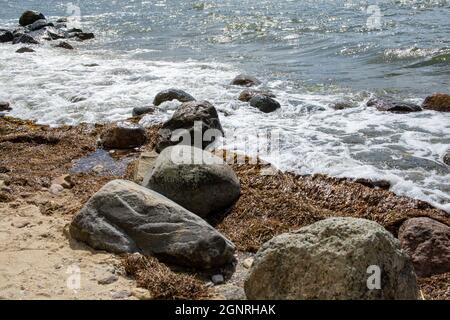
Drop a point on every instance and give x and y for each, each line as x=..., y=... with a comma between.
x=337, y=258
x=191, y=119
x=195, y=179
x=124, y=217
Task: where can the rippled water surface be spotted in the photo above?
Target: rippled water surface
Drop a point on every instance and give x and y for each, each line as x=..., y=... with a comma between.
x=309, y=53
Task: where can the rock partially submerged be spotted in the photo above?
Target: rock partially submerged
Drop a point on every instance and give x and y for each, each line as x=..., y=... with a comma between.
x=427, y=242
x=5, y=106
x=264, y=103
x=24, y=50
x=195, y=118
x=124, y=217
x=332, y=259
x=391, y=105
x=247, y=94
x=6, y=36
x=172, y=94
x=35, y=28
x=195, y=179
x=64, y=45
x=438, y=102
x=29, y=17
x=245, y=80
x=140, y=111
x=446, y=159
x=123, y=135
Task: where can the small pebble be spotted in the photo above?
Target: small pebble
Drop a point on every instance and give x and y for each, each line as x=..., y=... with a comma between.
x=217, y=279
x=122, y=294
x=248, y=263
x=108, y=279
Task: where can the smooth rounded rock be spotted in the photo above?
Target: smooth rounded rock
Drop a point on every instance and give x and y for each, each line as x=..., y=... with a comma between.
x=264, y=103
x=195, y=179
x=123, y=217
x=245, y=80
x=139, y=111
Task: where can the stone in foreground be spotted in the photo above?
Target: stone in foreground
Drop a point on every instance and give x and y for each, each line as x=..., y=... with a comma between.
x=332, y=259
x=195, y=179
x=123, y=135
x=172, y=94
x=195, y=117
x=124, y=217
x=427, y=242
x=438, y=102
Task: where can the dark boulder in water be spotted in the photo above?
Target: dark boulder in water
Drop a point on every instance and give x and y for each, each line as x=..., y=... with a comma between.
x=247, y=94
x=6, y=36
x=62, y=20
x=172, y=94
x=391, y=105
x=139, y=111
x=25, y=50
x=438, y=102
x=196, y=117
x=25, y=38
x=123, y=135
x=4, y=106
x=264, y=103
x=447, y=159
x=64, y=45
x=29, y=17
x=82, y=36
x=341, y=105
x=245, y=80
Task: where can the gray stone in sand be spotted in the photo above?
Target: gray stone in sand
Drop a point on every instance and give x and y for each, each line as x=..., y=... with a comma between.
x=124, y=217
x=332, y=259
x=195, y=179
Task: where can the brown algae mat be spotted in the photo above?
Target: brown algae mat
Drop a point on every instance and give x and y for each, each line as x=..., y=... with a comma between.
x=32, y=155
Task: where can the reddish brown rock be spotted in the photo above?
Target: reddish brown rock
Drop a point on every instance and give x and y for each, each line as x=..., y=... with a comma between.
x=447, y=159
x=438, y=102
x=123, y=135
x=427, y=242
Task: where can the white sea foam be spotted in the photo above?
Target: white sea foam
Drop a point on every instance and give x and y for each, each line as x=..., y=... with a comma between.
x=406, y=149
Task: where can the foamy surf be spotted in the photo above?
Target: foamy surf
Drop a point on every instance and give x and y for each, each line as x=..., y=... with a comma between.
x=55, y=87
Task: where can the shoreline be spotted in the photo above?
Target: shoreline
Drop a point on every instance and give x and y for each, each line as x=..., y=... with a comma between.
x=34, y=155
